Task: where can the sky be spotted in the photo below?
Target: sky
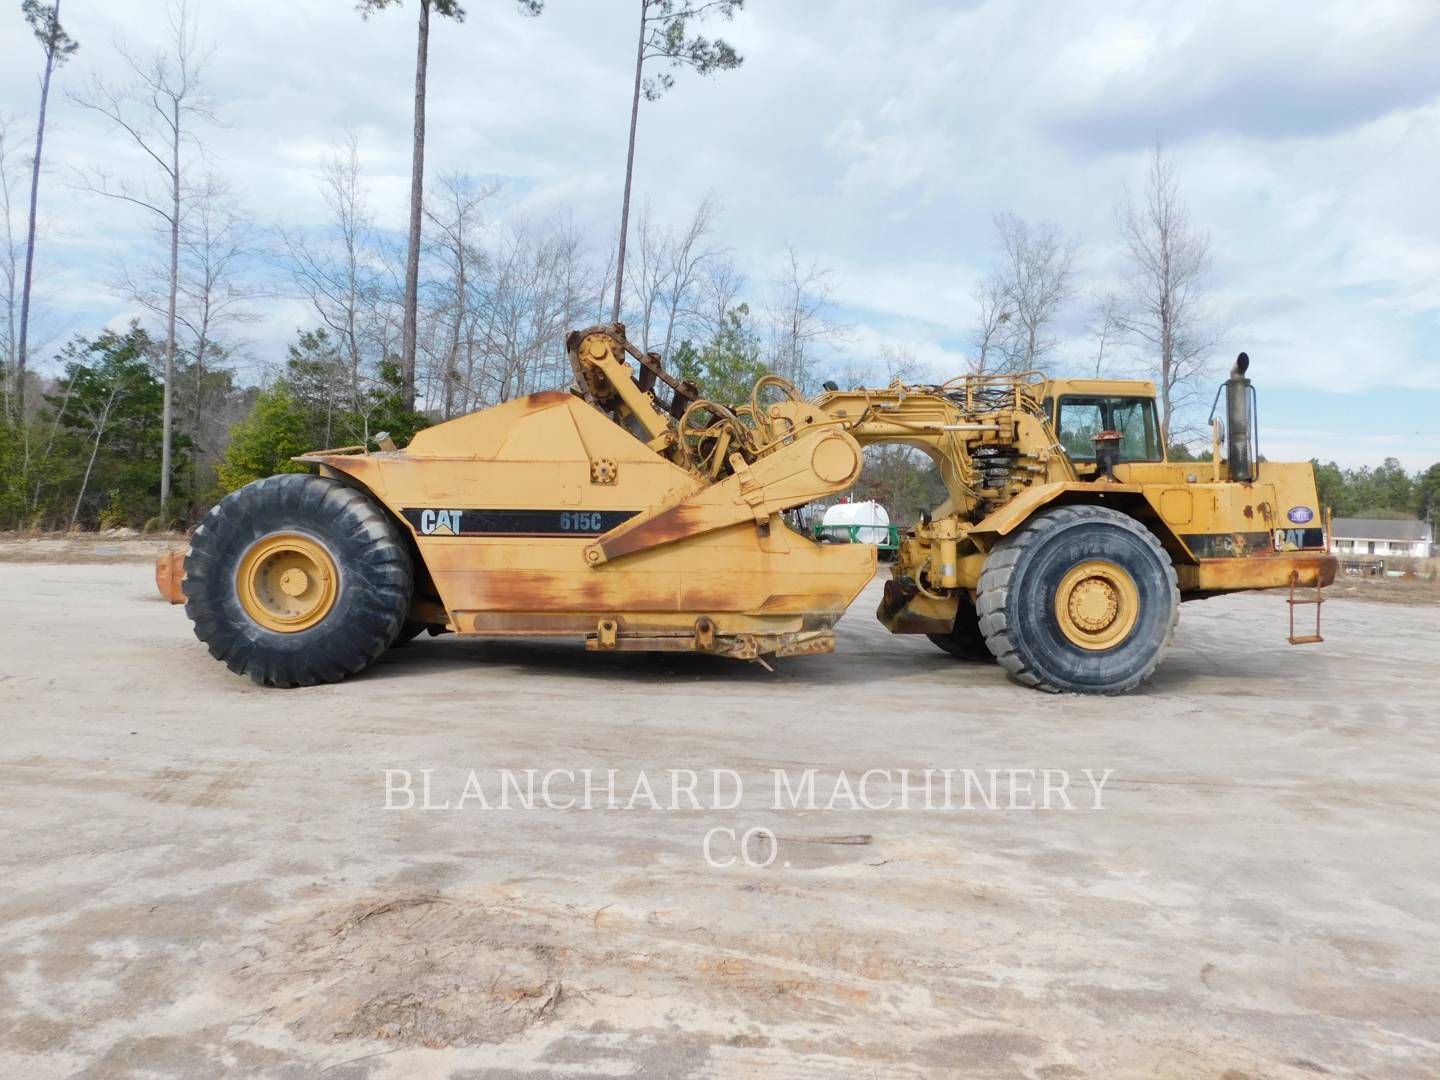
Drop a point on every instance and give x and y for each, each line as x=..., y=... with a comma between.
x=878, y=139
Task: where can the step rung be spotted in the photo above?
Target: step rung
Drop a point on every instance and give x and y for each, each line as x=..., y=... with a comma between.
x=1307, y=639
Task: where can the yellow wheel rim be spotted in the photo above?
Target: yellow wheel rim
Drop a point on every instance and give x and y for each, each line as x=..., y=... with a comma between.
x=287, y=582
x=1097, y=605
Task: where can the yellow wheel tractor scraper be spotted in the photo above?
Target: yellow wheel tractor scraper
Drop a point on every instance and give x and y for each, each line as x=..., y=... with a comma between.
x=632, y=513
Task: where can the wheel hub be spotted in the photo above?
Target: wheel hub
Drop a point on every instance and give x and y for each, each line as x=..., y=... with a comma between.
x=1097, y=604
x=294, y=582
x=1093, y=604
x=287, y=582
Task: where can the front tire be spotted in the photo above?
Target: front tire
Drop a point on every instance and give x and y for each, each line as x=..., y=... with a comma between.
x=297, y=580
x=1081, y=599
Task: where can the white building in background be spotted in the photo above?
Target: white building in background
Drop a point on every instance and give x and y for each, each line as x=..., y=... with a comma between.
x=1378, y=536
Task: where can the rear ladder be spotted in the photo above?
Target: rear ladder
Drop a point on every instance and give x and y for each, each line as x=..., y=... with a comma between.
x=1299, y=598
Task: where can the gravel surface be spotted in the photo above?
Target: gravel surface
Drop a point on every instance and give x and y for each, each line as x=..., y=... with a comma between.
x=202, y=878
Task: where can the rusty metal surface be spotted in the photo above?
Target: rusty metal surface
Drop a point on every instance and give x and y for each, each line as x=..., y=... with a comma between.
x=170, y=575
x=1258, y=571
x=670, y=524
x=732, y=646
x=599, y=384
x=794, y=474
x=1239, y=545
x=904, y=610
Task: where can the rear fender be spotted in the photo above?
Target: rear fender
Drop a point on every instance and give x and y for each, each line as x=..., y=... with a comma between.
x=363, y=472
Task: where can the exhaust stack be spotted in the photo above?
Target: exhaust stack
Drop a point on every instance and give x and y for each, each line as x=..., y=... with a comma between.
x=1240, y=443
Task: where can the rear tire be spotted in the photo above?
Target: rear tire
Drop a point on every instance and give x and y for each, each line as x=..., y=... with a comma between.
x=965, y=641
x=335, y=600
x=1081, y=599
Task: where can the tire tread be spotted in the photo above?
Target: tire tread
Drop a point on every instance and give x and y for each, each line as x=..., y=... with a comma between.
x=996, y=578
x=362, y=537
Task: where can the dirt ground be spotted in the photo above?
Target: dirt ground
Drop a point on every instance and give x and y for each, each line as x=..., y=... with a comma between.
x=201, y=878
x=85, y=548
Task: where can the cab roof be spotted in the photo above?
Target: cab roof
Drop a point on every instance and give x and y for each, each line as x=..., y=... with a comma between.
x=1100, y=387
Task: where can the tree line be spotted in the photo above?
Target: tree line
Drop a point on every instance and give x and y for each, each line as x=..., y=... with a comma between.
x=464, y=313
x=147, y=425
x=1387, y=491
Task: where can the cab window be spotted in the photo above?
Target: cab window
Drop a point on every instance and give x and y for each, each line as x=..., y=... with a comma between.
x=1080, y=419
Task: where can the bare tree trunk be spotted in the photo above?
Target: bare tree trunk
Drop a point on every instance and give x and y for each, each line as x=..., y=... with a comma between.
x=452, y=370
x=629, y=168
x=417, y=202
x=10, y=264
x=685, y=266
x=100, y=423
x=154, y=113
x=50, y=441
x=167, y=421
x=198, y=414
x=1108, y=311
x=1167, y=362
x=21, y=355
x=1168, y=314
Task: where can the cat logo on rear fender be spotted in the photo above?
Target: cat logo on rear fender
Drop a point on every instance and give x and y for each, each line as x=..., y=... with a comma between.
x=439, y=522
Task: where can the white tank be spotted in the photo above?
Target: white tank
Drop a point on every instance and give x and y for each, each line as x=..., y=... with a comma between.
x=874, y=523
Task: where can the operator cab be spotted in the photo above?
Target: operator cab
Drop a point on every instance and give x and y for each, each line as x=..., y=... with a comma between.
x=1080, y=409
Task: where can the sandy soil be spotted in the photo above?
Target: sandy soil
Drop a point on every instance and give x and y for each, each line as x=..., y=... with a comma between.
x=78, y=548
x=201, y=878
